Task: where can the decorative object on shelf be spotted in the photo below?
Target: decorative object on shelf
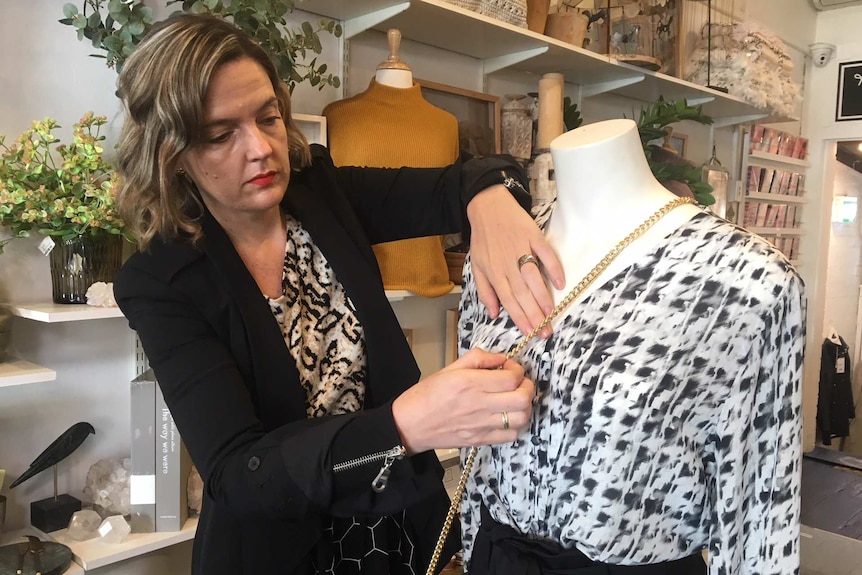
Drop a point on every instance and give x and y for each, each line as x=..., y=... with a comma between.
x=654, y=124
x=550, y=110
x=455, y=257
x=115, y=27
x=59, y=190
x=537, y=15
x=35, y=557
x=55, y=512
x=478, y=115
x=114, y=530
x=568, y=25
x=750, y=62
x=674, y=142
x=84, y=525
x=101, y=294
x=516, y=127
x=195, y=492
x=642, y=33
x=510, y=11
x=80, y=262
x=718, y=177
x=107, y=485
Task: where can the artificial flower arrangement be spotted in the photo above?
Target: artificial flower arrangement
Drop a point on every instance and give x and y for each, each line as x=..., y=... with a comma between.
x=57, y=189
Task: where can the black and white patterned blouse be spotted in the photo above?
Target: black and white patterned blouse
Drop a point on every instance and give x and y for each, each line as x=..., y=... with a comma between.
x=327, y=342
x=669, y=411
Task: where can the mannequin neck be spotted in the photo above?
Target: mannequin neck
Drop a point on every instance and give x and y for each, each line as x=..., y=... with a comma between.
x=394, y=78
x=605, y=189
x=601, y=169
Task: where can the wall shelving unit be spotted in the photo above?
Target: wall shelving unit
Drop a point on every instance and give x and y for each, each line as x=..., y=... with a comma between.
x=760, y=159
x=502, y=46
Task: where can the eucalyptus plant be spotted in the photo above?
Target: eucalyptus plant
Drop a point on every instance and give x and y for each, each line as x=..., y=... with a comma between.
x=116, y=26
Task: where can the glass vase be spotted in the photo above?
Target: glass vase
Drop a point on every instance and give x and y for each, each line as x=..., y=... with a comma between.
x=78, y=263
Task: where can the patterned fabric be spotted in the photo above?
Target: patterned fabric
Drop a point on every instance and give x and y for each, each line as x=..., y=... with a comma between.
x=668, y=417
x=326, y=340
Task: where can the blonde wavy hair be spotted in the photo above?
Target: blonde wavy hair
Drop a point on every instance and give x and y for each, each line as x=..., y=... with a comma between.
x=163, y=86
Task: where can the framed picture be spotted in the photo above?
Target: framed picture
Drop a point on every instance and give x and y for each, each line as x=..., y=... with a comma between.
x=478, y=115
x=676, y=143
x=314, y=127
x=849, y=105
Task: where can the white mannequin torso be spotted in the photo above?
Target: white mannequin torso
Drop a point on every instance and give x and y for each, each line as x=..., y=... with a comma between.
x=605, y=189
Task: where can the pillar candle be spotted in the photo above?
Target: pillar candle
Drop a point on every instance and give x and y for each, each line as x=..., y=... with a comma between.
x=550, y=109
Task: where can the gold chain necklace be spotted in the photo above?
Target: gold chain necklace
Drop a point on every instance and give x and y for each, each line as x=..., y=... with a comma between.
x=566, y=301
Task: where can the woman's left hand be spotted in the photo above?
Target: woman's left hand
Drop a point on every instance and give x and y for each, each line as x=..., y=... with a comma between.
x=502, y=232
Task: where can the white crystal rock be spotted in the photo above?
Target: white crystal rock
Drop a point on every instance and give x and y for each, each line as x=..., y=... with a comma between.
x=195, y=491
x=84, y=525
x=114, y=529
x=101, y=294
x=108, y=485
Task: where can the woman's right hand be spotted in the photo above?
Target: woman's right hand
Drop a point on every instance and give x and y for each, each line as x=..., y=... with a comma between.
x=464, y=404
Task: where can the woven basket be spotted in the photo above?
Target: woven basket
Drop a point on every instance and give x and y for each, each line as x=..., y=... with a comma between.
x=465, y=4
x=509, y=11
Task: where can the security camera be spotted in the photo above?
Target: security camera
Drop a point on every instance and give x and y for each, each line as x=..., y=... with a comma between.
x=821, y=53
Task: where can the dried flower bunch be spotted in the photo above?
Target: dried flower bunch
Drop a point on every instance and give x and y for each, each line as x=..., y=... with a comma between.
x=58, y=189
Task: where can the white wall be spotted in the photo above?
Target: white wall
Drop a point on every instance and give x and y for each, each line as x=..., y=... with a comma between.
x=844, y=268
x=839, y=27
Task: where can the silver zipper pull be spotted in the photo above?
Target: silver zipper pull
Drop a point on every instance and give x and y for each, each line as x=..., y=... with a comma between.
x=394, y=454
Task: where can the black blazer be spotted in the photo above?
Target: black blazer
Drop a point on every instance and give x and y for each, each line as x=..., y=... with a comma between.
x=234, y=390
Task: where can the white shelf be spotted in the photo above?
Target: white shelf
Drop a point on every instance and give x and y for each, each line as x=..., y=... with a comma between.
x=95, y=553
x=394, y=295
x=20, y=372
x=57, y=312
x=774, y=198
x=763, y=231
x=764, y=159
x=503, y=46
x=18, y=536
x=448, y=457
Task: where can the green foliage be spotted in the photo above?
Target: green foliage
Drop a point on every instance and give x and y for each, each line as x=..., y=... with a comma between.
x=117, y=26
x=57, y=189
x=571, y=116
x=654, y=124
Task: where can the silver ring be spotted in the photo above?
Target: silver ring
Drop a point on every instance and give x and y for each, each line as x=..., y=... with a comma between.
x=505, y=415
x=527, y=259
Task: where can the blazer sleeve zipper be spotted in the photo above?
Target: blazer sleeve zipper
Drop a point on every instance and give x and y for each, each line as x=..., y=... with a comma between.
x=389, y=457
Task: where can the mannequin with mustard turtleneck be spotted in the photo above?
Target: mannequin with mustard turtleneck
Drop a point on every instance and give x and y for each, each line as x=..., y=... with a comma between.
x=390, y=125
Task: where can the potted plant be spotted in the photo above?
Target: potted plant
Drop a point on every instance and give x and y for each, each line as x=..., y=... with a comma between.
x=117, y=26
x=674, y=172
x=65, y=192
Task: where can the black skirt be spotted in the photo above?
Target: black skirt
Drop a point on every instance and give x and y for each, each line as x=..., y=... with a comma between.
x=501, y=550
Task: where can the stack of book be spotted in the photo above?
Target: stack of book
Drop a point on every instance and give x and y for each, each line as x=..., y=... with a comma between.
x=774, y=181
x=160, y=462
x=777, y=142
x=760, y=215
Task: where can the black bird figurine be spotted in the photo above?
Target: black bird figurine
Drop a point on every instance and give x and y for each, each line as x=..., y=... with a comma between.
x=60, y=449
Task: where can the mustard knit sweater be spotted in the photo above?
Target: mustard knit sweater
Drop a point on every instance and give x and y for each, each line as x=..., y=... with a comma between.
x=387, y=127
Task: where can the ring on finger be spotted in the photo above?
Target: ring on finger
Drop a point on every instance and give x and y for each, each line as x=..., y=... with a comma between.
x=505, y=415
x=527, y=259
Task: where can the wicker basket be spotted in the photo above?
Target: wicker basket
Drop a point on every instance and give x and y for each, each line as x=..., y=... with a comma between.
x=509, y=11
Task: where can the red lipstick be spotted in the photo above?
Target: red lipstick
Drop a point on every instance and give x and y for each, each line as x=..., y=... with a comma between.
x=263, y=179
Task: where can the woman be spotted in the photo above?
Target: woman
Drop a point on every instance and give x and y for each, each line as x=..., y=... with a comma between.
x=260, y=306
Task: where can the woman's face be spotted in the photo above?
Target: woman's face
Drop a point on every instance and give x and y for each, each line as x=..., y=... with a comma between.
x=241, y=165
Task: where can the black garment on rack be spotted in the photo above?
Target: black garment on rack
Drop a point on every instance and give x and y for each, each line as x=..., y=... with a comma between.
x=835, y=406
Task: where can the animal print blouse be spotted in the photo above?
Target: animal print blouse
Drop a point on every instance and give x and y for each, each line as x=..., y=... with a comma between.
x=668, y=416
